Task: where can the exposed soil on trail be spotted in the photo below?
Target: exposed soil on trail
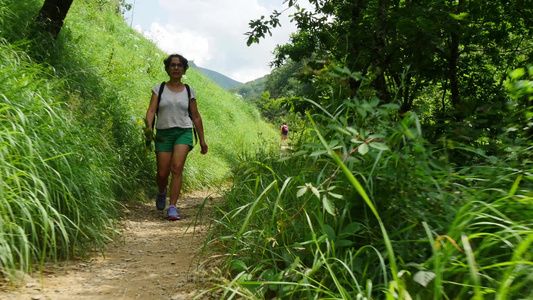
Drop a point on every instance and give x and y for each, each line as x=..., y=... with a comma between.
x=153, y=259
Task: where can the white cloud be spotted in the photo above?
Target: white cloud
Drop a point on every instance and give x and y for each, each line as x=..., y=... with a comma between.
x=188, y=43
x=212, y=33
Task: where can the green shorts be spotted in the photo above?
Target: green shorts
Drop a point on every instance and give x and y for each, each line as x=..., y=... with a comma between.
x=166, y=139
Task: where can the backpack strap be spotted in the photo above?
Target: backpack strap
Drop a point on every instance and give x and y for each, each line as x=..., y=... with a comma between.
x=189, y=96
x=161, y=88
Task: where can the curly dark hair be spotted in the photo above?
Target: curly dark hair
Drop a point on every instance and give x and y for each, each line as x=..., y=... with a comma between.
x=182, y=59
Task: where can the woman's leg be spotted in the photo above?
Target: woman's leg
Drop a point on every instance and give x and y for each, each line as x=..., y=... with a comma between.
x=163, y=169
x=176, y=168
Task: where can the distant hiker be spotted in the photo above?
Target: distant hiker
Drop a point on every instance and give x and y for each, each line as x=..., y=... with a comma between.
x=175, y=105
x=284, y=132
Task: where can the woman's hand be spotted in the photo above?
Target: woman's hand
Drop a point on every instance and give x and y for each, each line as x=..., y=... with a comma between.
x=204, y=147
x=149, y=134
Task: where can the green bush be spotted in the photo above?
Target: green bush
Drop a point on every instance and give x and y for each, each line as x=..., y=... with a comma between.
x=373, y=210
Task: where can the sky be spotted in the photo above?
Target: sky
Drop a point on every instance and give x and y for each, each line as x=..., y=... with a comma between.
x=212, y=32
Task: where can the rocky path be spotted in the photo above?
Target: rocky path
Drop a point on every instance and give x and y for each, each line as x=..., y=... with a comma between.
x=154, y=259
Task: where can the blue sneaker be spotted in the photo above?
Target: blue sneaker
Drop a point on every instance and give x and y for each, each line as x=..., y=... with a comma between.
x=161, y=200
x=173, y=213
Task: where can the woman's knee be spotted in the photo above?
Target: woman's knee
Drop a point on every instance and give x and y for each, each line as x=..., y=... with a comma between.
x=176, y=169
x=163, y=173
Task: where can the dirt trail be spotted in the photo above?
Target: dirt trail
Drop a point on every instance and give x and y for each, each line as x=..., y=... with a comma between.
x=154, y=259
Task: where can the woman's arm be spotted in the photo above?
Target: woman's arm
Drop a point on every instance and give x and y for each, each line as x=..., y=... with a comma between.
x=150, y=113
x=197, y=120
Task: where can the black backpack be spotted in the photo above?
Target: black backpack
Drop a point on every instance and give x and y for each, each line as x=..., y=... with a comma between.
x=161, y=88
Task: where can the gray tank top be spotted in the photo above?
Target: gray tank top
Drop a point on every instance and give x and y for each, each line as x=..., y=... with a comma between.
x=173, y=108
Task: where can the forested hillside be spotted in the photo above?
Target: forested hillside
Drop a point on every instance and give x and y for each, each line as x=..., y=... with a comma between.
x=251, y=90
x=71, y=124
x=219, y=79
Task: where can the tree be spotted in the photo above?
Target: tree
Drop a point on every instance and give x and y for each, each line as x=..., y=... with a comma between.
x=52, y=15
x=447, y=59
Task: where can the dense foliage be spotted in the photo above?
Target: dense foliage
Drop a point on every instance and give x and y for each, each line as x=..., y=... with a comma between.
x=71, y=123
x=412, y=178
x=373, y=210
x=447, y=60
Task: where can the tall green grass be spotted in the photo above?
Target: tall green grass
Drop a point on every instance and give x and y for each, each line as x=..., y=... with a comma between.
x=54, y=192
x=373, y=211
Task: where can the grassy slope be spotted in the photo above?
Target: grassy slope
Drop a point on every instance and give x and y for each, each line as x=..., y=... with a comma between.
x=71, y=139
x=231, y=125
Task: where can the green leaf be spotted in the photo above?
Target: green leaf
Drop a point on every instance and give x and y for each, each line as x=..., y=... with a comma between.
x=353, y=131
x=329, y=231
x=343, y=243
x=267, y=275
x=363, y=149
x=284, y=158
x=379, y=146
x=318, y=152
x=368, y=106
x=342, y=130
x=351, y=228
x=333, y=143
x=361, y=111
x=460, y=16
x=301, y=192
x=315, y=191
x=377, y=136
x=357, y=76
x=424, y=277
x=245, y=277
x=328, y=205
x=337, y=196
x=391, y=106
x=334, y=75
x=239, y=265
x=515, y=74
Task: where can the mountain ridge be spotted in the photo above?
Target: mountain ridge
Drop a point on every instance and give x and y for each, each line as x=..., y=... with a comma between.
x=222, y=80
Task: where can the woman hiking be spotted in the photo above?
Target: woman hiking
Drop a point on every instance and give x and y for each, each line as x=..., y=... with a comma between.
x=284, y=132
x=177, y=115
